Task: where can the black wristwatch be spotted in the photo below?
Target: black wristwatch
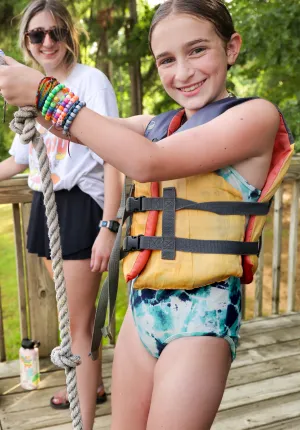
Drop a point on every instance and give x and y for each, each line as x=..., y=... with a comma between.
x=112, y=225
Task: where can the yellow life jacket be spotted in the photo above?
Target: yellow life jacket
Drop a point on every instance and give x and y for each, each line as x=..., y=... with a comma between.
x=191, y=232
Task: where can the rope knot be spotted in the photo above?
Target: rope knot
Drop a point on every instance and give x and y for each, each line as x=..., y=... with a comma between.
x=24, y=123
x=65, y=360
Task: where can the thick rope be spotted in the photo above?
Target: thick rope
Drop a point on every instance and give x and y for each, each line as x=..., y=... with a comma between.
x=24, y=124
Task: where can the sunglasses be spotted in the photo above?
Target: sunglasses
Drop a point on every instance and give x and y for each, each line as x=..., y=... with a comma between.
x=37, y=35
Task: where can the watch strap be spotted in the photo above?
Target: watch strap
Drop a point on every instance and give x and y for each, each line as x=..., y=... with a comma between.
x=112, y=225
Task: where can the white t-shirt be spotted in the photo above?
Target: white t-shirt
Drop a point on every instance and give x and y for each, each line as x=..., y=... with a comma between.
x=80, y=166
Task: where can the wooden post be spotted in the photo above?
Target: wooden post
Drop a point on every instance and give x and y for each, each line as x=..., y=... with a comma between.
x=41, y=299
x=20, y=270
x=293, y=242
x=259, y=280
x=277, y=245
x=2, y=342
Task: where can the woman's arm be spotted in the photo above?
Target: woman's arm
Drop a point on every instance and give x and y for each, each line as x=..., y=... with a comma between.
x=113, y=183
x=9, y=168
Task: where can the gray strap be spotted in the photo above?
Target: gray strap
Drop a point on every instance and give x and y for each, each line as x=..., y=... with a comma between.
x=133, y=243
x=168, y=224
x=109, y=290
x=142, y=204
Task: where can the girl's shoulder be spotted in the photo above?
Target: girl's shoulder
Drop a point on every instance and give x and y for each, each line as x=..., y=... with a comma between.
x=257, y=108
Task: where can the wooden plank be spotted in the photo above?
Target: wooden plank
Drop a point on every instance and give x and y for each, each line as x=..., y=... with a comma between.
x=265, y=370
x=293, y=243
x=11, y=369
x=264, y=339
x=48, y=379
x=277, y=247
x=293, y=424
x=259, y=278
x=101, y=423
x=36, y=398
x=274, y=322
x=20, y=270
x=41, y=299
x=259, y=414
x=15, y=190
x=255, y=392
x=266, y=353
x=2, y=340
x=37, y=418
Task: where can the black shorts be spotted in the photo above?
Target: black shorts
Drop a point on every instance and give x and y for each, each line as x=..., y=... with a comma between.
x=79, y=216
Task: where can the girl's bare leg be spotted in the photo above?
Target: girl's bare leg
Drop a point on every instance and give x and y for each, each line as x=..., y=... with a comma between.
x=132, y=380
x=189, y=382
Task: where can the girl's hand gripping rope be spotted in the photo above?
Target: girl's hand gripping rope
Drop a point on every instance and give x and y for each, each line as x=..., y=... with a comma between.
x=18, y=83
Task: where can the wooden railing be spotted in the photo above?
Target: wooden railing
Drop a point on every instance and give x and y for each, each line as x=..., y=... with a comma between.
x=37, y=304
x=291, y=186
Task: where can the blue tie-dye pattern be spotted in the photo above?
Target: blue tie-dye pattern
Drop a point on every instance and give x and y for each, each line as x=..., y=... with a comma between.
x=215, y=310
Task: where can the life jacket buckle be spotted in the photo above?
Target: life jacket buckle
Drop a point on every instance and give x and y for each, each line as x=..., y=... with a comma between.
x=134, y=204
x=132, y=243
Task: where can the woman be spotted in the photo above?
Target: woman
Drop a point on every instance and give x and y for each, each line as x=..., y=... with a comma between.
x=49, y=39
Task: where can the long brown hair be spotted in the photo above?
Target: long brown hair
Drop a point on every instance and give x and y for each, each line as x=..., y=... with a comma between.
x=62, y=17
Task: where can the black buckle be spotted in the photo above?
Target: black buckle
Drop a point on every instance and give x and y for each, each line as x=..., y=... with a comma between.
x=132, y=243
x=134, y=204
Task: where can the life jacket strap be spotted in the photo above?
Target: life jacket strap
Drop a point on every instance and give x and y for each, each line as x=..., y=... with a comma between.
x=155, y=243
x=144, y=204
x=108, y=295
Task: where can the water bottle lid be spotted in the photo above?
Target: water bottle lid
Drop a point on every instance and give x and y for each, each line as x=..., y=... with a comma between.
x=30, y=344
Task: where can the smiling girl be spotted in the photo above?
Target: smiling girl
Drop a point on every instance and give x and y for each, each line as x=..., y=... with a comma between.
x=201, y=196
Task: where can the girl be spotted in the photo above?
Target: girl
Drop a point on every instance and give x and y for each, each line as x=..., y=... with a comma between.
x=181, y=329
x=49, y=38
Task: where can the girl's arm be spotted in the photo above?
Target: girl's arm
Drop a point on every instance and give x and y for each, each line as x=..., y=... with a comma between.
x=243, y=132
x=9, y=168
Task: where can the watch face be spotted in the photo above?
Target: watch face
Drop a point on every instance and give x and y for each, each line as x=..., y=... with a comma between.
x=104, y=223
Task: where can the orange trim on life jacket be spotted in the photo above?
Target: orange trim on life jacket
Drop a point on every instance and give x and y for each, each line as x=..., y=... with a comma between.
x=151, y=224
x=281, y=152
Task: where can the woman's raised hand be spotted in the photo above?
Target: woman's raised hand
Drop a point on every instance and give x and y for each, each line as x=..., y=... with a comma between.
x=19, y=83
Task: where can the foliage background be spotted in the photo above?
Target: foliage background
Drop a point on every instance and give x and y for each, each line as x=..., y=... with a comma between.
x=117, y=43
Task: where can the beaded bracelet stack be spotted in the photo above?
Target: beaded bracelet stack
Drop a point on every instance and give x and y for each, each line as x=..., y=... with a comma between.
x=57, y=103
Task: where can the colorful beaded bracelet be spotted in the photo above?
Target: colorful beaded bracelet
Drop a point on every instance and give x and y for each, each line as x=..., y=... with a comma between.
x=71, y=117
x=51, y=96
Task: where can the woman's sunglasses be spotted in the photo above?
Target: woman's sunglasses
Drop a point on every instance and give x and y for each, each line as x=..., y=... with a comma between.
x=37, y=35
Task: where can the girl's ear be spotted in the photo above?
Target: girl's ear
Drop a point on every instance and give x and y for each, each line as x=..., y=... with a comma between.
x=233, y=48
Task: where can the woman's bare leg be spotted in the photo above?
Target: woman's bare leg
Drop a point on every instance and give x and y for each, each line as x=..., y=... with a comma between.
x=132, y=380
x=189, y=382
x=82, y=287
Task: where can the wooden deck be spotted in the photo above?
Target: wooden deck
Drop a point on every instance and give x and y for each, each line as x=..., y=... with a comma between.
x=263, y=390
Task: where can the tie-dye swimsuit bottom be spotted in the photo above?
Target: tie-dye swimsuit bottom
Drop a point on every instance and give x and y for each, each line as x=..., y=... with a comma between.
x=214, y=310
